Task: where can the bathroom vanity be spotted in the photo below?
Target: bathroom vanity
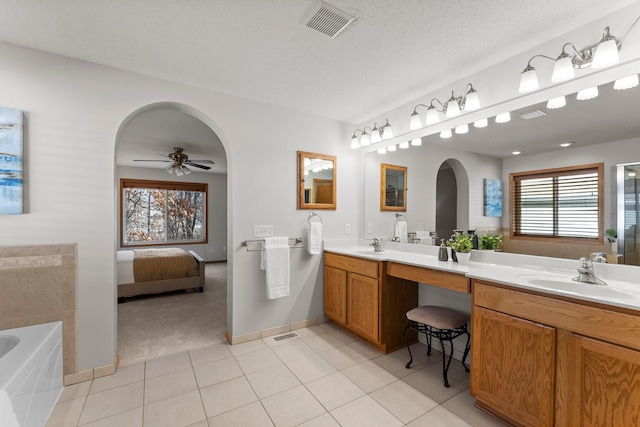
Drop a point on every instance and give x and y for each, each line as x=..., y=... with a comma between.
x=545, y=350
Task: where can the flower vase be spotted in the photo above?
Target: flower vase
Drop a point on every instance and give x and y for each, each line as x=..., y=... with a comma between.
x=463, y=257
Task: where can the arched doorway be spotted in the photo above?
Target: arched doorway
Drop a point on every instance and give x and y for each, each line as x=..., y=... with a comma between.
x=452, y=198
x=153, y=325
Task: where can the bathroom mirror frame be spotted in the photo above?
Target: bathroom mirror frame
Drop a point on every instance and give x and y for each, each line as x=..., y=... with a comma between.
x=398, y=200
x=307, y=197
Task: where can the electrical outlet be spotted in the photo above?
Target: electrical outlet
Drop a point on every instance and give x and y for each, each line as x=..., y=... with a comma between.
x=369, y=228
x=347, y=229
x=262, y=230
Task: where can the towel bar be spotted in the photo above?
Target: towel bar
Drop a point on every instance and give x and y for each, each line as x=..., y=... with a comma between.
x=258, y=244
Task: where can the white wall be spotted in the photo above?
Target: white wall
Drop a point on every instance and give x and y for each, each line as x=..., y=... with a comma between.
x=216, y=248
x=73, y=113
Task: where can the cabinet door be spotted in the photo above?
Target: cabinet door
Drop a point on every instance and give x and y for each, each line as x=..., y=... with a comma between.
x=603, y=384
x=513, y=367
x=362, y=301
x=335, y=294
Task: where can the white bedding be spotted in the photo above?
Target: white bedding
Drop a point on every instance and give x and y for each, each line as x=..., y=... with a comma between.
x=125, y=267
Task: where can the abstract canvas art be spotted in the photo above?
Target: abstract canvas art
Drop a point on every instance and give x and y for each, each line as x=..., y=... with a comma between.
x=11, y=161
x=492, y=197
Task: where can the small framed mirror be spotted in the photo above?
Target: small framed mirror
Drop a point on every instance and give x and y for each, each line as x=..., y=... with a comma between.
x=316, y=181
x=393, y=188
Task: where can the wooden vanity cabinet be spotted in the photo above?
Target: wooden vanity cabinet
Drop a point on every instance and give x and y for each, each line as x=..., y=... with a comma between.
x=359, y=296
x=541, y=360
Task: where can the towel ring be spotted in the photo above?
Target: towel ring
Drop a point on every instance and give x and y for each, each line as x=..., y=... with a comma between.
x=313, y=214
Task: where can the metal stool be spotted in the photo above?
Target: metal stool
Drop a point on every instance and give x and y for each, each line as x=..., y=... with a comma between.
x=442, y=323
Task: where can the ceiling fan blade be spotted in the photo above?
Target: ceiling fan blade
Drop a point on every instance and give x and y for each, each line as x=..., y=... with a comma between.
x=137, y=160
x=190, y=163
x=206, y=162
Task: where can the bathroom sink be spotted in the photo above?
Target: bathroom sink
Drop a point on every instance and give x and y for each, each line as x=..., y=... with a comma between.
x=366, y=251
x=565, y=284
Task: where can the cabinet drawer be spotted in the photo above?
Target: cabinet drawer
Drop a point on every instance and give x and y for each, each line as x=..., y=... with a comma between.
x=354, y=265
x=442, y=279
x=582, y=318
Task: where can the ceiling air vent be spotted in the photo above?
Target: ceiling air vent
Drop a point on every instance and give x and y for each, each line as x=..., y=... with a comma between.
x=532, y=115
x=327, y=19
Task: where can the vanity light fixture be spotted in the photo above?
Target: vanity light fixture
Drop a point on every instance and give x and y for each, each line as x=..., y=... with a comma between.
x=567, y=144
x=455, y=105
x=482, y=123
x=557, y=102
x=588, y=93
x=503, y=117
x=391, y=148
x=403, y=145
x=445, y=134
x=626, y=82
x=416, y=142
x=600, y=55
x=377, y=135
x=382, y=150
x=462, y=129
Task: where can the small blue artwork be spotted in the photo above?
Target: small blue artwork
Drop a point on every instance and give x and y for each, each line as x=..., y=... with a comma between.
x=10, y=161
x=492, y=197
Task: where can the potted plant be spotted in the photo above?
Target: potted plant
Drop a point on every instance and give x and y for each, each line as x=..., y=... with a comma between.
x=612, y=237
x=461, y=244
x=491, y=241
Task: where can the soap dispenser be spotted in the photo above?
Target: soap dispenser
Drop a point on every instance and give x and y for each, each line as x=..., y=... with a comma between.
x=443, y=255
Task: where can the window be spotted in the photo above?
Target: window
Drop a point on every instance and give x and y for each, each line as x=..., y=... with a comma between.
x=564, y=204
x=160, y=212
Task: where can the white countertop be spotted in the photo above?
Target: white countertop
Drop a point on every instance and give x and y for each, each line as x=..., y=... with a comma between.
x=543, y=274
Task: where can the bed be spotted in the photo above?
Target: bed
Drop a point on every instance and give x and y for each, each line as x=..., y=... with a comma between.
x=158, y=270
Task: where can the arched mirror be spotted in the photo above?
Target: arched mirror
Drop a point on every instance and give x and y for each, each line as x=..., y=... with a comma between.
x=316, y=181
x=393, y=188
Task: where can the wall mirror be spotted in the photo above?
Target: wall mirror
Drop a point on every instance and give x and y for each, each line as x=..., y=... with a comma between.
x=393, y=188
x=316, y=181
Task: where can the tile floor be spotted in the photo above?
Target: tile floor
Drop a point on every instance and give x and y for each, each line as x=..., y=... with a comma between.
x=322, y=377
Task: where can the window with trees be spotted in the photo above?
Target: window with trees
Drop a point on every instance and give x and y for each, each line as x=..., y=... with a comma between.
x=162, y=212
x=562, y=204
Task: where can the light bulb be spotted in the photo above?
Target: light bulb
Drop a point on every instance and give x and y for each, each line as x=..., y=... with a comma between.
x=416, y=142
x=606, y=54
x=462, y=129
x=415, y=122
x=626, y=82
x=445, y=134
x=588, y=93
x=557, y=102
x=503, y=117
x=529, y=81
x=472, y=102
x=404, y=145
x=563, y=70
x=482, y=123
x=432, y=116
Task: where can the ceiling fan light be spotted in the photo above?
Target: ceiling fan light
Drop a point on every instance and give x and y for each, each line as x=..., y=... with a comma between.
x=416, y=142
x=588, y=93
x=606, y=54
x=416, y=122
x=503, y=117
x=626, y=82
x=482, y=123
x=404, y=145
x=445, y=134
x=563, y=70
x=432, y=116
x=557, y=102
x=529, y=81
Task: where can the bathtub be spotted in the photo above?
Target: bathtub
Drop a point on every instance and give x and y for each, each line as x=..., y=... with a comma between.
x=31, y=370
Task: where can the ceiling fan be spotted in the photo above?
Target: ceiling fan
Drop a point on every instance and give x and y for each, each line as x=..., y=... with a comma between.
x=179, y=162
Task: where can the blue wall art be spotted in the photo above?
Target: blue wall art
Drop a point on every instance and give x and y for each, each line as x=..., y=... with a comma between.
x=492, y=197
x=11, y=161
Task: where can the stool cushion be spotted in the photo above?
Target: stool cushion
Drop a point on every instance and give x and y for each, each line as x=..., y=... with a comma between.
x=438, y=317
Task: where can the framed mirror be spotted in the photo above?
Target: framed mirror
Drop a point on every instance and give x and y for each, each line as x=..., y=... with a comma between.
x=393, y=188
x=316, y=181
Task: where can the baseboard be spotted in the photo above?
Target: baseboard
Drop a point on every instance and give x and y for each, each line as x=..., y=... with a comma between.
x=89, y=374
x=276, y=330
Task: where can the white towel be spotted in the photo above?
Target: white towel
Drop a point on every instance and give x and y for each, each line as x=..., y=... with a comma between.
x=424, y=238
x=275, y=260
x=7, y=415
x=401, y=231
x=314, y=243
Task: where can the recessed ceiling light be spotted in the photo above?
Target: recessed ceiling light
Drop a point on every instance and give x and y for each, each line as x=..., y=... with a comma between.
x=517, y=152
x=567, y=144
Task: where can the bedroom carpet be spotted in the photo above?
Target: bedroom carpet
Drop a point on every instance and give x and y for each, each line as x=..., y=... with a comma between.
x=157, y=325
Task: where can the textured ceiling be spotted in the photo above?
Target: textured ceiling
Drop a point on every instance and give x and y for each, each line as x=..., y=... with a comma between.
x=395, y=52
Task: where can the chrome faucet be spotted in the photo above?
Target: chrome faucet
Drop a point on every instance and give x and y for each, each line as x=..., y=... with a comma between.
x=376, y=245
x=586, y=273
